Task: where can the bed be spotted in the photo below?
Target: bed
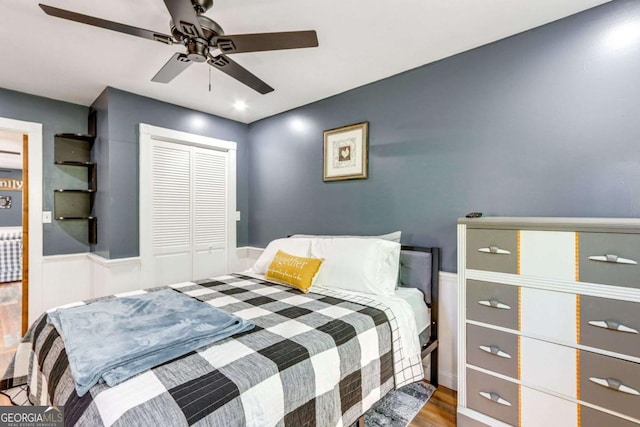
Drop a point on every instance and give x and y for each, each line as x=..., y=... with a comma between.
x=10, y=254
x=321, y=358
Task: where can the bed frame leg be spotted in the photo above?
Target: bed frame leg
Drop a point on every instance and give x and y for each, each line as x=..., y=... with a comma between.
x=361, y=421
x=433, y=374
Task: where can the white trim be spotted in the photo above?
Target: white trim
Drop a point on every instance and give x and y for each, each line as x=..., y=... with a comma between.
x=149, y=133
x=112, y=262
x=170, y=135
x=78, y=256
x=34, y=149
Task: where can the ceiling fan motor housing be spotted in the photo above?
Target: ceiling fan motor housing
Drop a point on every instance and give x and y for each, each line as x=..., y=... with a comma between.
x=197, y=47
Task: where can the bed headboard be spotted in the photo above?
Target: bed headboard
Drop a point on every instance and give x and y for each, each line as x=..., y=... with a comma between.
x=419, y=268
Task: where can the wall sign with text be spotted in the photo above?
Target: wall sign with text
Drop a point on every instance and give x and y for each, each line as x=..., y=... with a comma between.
x=10, y=184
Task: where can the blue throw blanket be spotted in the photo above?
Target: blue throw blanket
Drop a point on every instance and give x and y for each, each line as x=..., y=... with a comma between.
x=115, y=339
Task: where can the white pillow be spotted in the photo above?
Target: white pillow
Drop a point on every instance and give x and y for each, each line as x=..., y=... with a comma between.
x=297, y=247
x=355, y=264
x=392, y=237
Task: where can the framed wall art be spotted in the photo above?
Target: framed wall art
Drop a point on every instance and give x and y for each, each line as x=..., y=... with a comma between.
x=346, y=152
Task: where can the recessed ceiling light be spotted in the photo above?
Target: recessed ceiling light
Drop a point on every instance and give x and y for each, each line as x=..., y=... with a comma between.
x=623, y=35
x=240, y=105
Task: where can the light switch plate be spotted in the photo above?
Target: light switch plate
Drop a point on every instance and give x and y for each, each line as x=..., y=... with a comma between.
x=46, y=217
x=237, y=215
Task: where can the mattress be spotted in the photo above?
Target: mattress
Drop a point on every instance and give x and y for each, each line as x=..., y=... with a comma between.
x=415, y=299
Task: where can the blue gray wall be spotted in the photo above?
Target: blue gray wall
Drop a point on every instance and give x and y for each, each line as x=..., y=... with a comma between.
x=11, y=217
x=56, y=117
x=117, y=151
x=541, y=124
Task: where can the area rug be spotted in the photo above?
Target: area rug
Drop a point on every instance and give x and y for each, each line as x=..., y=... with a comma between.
x=399, y=407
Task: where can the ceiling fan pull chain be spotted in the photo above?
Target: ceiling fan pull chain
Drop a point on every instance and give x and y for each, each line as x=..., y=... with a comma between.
x=209, y=79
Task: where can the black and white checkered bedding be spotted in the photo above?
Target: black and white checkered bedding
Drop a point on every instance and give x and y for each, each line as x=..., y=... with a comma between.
x=10, y=257
x=322, y=358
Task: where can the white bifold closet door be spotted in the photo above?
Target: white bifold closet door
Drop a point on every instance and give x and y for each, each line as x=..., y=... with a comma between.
x=189, y=220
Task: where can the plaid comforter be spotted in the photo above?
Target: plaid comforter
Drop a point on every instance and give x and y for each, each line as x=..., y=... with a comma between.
x=322, y=358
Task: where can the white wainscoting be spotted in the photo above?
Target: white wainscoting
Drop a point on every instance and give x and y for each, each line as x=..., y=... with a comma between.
x=65, y=279
x=448, y=328
x=113, y=276
x=76, y=277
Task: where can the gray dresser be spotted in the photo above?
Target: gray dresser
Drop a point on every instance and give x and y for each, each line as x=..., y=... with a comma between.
x=549, y=322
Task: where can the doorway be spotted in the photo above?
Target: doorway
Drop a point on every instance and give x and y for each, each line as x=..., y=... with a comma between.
x=13, y=242
x=32, y=234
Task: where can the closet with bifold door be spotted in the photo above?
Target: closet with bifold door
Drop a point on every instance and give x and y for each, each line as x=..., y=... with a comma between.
x=187, y=190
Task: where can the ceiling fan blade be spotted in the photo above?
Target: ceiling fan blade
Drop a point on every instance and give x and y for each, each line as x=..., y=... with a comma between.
x=184, y=17
x=177, y=64
x=109, y=25
x=235, y=70
x=266, y=41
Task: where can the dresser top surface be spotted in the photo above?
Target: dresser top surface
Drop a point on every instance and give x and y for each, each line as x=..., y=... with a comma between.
x=604, y=225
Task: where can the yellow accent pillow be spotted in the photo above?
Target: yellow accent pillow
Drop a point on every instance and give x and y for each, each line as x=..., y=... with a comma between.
x=294, y=271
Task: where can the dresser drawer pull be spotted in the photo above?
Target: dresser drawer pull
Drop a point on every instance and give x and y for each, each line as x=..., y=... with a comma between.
x=494, y=250
x=494, y=303
x=494, y=397
x=613, y=325
x=614, y=384
x=612, y=259
x=495, y=350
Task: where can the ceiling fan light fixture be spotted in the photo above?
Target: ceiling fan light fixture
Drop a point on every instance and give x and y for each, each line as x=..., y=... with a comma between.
x=198, y=50
x=240, y=105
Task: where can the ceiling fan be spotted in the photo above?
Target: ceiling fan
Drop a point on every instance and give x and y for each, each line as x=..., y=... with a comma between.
x=204, y=40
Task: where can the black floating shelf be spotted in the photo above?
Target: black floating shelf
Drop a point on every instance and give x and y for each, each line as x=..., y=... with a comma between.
x=74, y=191
x=70, y=218
x=65, y=163
x=78, y=136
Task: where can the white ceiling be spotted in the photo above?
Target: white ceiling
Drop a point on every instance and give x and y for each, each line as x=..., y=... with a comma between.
x=361, y=41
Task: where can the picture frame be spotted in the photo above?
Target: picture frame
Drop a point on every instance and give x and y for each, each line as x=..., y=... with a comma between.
x=5, y=202
x=346, y=153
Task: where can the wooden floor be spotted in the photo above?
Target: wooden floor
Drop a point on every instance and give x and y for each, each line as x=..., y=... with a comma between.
x=440, y=410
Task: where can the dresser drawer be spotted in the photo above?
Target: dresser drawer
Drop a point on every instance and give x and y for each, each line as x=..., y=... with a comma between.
x=493, y=350
x=610, y=325
x=590, y=417
x=493, y=396
x=610, y=259
x=493, y=250
x=492, y=303
x=610, y=383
